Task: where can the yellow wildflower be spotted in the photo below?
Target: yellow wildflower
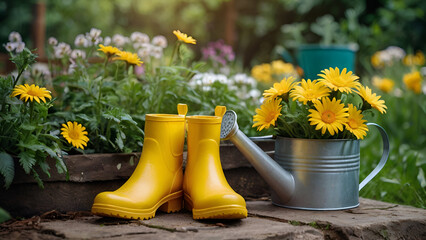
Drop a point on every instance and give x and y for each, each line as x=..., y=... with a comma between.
x=372, y=99
x=262, y=72
x=384, y=84
x=336, y=81
x=131, y=58
x=268, y=113
x=309, y=91
x=31, y=92
x=413, y=81
x=184, y=38
x=328, y=115
x=108, y=50
x=355, y=123
x=75, y=134
x=280, y=89
x=280, y=67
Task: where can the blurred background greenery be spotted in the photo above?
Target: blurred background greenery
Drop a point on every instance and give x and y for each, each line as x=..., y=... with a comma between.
x=262, y=31
x=257, y=30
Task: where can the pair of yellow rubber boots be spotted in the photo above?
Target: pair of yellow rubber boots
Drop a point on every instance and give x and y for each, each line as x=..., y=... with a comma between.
x=158, y=181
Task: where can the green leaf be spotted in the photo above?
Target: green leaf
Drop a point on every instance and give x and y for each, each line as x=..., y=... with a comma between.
x=111, y=117
x=44, y=167
x=61, y=167
x=82, y=107
x=83, y=117
x=27, y=160
x=421, y=178
x=127, y=117
x=37, y=178
x=40, y=147
x=4, y=216
x=119, y=142
x=7, y=168
x=28, y=127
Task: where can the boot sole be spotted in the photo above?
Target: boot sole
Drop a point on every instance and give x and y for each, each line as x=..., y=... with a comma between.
x=231, y=211
x=170, y=203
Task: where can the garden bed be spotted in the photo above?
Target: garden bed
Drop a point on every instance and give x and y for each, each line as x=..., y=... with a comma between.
x=94, y=173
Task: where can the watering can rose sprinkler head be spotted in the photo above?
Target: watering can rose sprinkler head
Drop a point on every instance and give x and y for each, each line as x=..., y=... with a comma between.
x=280, y=180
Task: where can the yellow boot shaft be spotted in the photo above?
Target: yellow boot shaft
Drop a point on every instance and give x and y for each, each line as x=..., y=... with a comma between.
x=207, y=193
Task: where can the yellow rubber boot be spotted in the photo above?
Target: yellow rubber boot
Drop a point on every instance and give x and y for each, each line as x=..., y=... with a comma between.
x=157, y=180
x=206, y=192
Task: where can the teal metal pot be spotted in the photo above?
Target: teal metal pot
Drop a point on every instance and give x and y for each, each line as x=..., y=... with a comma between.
x=314, y=58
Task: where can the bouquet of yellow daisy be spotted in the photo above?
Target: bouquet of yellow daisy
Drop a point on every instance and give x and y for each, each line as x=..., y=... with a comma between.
x=332, y=106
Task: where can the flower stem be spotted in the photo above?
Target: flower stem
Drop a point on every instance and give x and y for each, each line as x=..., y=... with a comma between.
x=176, y=49
x=31, y=111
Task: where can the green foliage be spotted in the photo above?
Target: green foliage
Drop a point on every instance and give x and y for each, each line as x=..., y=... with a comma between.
x=4, y=216
x=7, y=168
x=25, y=135
x=402, y=180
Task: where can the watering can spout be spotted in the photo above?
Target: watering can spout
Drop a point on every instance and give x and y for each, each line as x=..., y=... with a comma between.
x=280, y=180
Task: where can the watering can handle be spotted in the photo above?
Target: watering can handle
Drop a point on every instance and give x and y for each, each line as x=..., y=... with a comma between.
x=384, y=158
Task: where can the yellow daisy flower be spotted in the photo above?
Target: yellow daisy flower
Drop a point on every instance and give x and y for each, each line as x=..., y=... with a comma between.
x=281, y=88
x=184, y=38
x=131, y=58
x=372, y=99
x=355, y=123
x=31, y=92
x=336, y=81
x=280, y=67
x=376, y=61
x=384, y=84
x=108, y=50
x=418, y=59
x=413, y=81
x=268, y=113
x=328, y=115
x=75, y=134
x=262, y=72
x=309, y=91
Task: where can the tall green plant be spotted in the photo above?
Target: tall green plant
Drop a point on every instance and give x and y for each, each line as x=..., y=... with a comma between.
x=26, y=133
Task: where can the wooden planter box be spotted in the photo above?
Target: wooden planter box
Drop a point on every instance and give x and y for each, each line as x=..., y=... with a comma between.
x=94, y=173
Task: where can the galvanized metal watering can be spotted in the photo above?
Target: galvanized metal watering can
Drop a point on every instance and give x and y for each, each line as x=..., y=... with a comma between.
x=308, y=174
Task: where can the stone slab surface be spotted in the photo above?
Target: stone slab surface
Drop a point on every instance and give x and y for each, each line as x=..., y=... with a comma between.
x=372, y=220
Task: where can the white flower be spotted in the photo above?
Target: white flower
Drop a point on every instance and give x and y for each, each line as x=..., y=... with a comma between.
x=145, y=51
x=119, y=40
x=15, y=37
x=94, y=33
x=398, y=92
x=396, y=53
x=78, y=54
x=156, y=52
x=107, y=41
x=81, y=41
x=40, y=69
x=62, y=49
x=94, y=37
x=52, y=41
x=72, y=66
x=254, y=93
x=242, y=78
x=423, y=71
x=159, y=41
x=138, y=45
x=139, y=37
x=10, y=46
x=20, y=47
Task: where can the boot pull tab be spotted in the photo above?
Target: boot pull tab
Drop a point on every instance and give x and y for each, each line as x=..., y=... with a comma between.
x=182, y=109
x=219, y=111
